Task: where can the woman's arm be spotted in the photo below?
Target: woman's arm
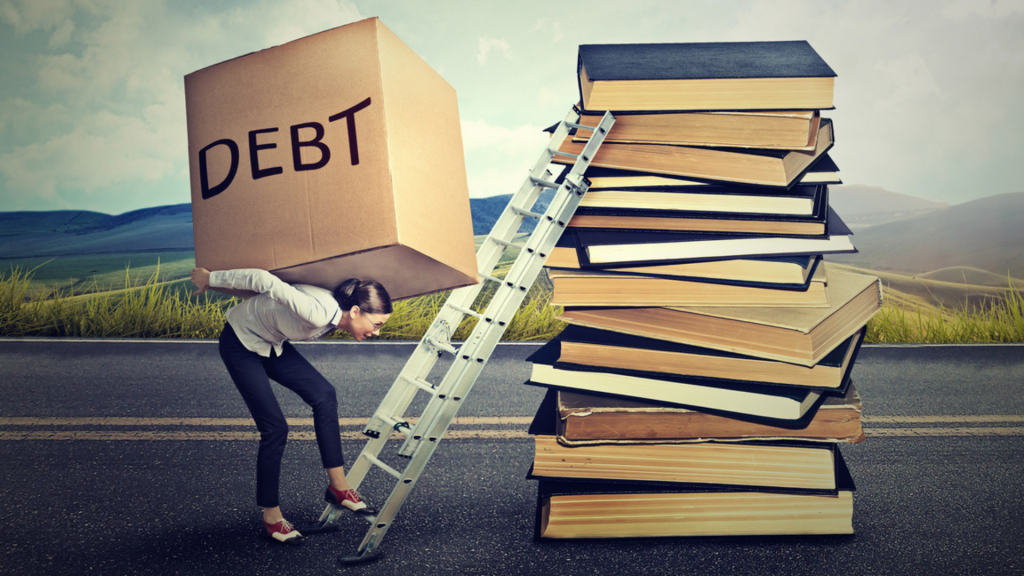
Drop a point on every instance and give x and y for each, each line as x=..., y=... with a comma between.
x=263, y=282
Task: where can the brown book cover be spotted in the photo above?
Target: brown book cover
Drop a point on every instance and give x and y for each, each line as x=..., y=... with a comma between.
x=774, y=168
x=583, y=418
x=799, y=335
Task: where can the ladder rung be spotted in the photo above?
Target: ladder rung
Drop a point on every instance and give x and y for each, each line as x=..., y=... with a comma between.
x=419, y=383
x=466, y=311
x=523, y=212
x=449, y=349
x=544, y=183
x=566, y=154
x=505, y=243
x=489, y=277
x=584, y=127
x=376, y=462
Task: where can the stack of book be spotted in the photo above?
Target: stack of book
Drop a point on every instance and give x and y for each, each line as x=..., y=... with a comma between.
x=704, y=381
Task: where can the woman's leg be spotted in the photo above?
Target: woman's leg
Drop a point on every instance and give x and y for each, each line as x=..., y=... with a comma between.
x=297, y=374
x=247, y=370
x=294, y=372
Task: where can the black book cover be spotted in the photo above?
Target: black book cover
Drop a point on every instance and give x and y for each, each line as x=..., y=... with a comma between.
x=551, y=351
x=700, y=60
x=810, y=262
x=703, y=60
x=803, y=286
x=818, y=194
x=791, y=393
x=824, y=164
x=586, y=237
x=798, y=424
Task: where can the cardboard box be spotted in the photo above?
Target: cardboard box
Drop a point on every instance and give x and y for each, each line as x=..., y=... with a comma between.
x=335, y=156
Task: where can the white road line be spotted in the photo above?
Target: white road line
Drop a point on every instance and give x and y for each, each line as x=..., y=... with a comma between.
x=990, y=418
x=961, y=431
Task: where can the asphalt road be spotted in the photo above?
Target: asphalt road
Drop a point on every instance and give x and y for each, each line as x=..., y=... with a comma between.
x=138, y=458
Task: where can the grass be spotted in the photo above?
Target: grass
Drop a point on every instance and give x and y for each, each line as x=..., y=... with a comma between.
x=155, y=308
x=144, y=310
x=999, y=321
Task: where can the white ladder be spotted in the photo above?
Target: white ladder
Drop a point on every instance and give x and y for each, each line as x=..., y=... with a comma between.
x=469, y=358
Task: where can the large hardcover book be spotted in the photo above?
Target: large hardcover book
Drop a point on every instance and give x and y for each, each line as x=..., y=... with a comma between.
x=615, y=510
x=751, y=399
x=711, y=199
x=596, y=288
x=597, y=248
x=583, y=348
x=725, y=216
x=754, y=166
x=824, y=171
x=783, y=271
x=587, y=418
x=798, y=335
x=803, y=466
x=704, y=76
x=789, y=130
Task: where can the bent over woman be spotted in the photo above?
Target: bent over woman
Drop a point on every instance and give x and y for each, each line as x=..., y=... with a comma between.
x=255, y=348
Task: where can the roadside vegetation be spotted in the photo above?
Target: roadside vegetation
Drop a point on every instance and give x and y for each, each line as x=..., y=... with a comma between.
x=154, y=308
x=157, y=308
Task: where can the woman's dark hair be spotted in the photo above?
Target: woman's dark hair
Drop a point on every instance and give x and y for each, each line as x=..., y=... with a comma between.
x=369, y=295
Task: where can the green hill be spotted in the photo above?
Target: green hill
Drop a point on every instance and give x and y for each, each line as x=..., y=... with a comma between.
x=984, y=234
x=912, y=291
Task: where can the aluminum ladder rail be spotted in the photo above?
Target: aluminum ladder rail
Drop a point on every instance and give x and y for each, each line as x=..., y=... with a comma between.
x=469, y=359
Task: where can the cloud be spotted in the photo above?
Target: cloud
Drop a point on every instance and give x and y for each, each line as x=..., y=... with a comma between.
x=963, y=9
x=550, y=27
x=921, y=109
x=120, y=121
x=102, y=150
x=498, y=158
x=487, y=44
x=30, y=15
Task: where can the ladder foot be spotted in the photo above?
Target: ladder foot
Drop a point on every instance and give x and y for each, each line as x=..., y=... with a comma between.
x=364, y=557
x=328, y=521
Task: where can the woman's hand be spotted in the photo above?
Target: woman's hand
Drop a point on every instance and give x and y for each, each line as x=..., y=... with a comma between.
x=201, y=278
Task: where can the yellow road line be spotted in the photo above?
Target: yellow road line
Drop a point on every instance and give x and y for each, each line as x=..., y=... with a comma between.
x=154, y=435
x=503, y=434
x=512, y=427
x=117, y=421
x=465, y=421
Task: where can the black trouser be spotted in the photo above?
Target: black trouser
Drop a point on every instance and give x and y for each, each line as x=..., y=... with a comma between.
x=251, y=374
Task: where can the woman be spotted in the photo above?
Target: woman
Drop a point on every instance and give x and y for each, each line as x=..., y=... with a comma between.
x=254, y=346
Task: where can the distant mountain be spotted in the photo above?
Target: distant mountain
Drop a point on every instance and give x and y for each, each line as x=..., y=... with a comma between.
x=486, y=211
x=159, y=229
x=863, y=206
x=73, y=233
x=985, y=234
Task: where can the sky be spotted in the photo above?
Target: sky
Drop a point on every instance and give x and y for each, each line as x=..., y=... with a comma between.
x=92, y=106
